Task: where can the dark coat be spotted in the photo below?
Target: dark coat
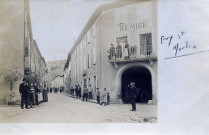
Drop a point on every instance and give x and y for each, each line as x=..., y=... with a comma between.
x=79, y=88
x=36, y=89
x=133, y=91
x=24, y=89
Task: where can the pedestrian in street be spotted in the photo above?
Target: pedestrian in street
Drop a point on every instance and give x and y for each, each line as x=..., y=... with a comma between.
x=51, y=88
x=45, y=94
x=40, y=94
x=108, y=98
x=104, y=97
x=85, y=93
x=72, y=91
x=90, y=92
x=36, y=93
x=76, y=91
x=132, y=90
x=24, y=92
x=31, y=95
x=79, y=91
x=98, y=95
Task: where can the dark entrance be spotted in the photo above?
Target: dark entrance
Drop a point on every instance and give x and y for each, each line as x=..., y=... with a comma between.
x=143, y=81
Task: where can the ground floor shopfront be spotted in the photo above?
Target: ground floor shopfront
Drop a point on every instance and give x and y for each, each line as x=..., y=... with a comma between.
x=145, y=77
x=144, y=74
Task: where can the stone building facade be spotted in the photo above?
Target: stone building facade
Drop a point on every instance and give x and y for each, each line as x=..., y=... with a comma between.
x=17, y=46
x=131, y=28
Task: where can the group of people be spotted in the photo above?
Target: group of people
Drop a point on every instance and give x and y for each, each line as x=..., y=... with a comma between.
x=115, y=53
x=76, y=91
x=30, y=93
x=102, y=98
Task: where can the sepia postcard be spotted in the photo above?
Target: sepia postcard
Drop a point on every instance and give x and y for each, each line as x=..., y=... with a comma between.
x=104, y=66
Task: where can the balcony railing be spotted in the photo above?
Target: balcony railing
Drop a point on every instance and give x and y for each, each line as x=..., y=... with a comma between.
x=145, y=51
x=131, y=53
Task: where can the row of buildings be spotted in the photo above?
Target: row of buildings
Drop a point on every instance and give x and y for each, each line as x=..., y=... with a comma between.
x=17, y=46
x=117, y=45
x=55, y=73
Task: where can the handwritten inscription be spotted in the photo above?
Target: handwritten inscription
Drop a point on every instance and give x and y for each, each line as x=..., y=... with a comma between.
x=178, y=45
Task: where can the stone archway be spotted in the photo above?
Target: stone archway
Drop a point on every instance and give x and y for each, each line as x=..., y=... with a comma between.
x=143, y=81
x=118, y=80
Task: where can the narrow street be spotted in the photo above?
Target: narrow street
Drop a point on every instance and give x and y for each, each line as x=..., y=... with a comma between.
x=64, y=109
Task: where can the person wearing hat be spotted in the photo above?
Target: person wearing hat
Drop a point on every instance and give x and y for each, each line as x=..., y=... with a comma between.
x=24, y=92
x=98, y=95
x=132, y=90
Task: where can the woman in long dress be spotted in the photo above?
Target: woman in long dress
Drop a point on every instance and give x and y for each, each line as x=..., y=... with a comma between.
x=104, y=97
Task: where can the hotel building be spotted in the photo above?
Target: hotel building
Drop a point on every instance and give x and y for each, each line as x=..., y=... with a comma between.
x=131, y=28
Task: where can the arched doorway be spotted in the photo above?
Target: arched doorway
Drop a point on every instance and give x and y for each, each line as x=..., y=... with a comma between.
x=143, y=81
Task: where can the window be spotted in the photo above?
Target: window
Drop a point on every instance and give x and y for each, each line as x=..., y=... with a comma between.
x=84, y=58
x=94, y=55
x=88, y=60
x=146, y=44
x=89, y=82
x=88, y=37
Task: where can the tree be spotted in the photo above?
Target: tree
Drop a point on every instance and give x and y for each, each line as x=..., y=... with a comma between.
x=11, y=75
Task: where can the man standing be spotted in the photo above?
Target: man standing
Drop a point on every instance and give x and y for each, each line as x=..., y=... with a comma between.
x=111, y=51
x=36, y=93
x=98, y=95
x=133, y=94
x=104, y=97
x=79, y=91
x=118, y=51
x=24, y=92
x=45, y=95
x=31, y=95
x=76, y=91
x=85, y=93
x=90, y=92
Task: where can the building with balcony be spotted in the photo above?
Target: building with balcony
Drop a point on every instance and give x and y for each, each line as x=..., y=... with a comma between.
x=118, y=45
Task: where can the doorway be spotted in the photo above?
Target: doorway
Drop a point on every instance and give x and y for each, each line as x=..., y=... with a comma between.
x=143, y=81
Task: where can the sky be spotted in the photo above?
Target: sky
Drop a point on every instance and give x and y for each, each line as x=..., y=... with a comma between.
x=57, y=23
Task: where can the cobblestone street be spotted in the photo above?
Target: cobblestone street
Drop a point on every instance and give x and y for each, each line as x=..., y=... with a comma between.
x=64, y=109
